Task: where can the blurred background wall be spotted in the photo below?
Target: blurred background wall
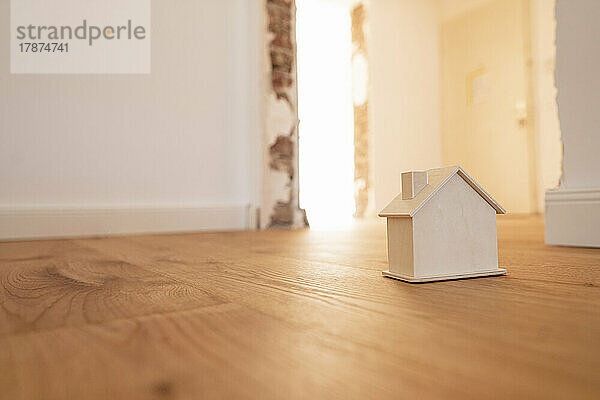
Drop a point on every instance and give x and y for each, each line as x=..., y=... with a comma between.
x=404, y=61
x=549, y=149
x=498, y=109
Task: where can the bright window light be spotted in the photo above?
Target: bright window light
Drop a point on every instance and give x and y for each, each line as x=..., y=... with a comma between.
x=326, y=141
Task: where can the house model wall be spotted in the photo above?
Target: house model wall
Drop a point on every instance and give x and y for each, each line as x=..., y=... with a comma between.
x=443, y=226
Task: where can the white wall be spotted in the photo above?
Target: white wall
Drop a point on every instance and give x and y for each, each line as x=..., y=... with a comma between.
x=175, y=138
x=578, y=82
x=404, y=54
x=573, y=211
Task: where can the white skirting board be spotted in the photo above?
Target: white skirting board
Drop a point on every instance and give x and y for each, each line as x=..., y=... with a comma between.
x=60, y=222
x=573, y=217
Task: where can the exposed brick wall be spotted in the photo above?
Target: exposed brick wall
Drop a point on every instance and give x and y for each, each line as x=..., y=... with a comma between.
x=280, y=201
x=362, y=183
x=282, y=49
x=282, y=155
x=361, y=159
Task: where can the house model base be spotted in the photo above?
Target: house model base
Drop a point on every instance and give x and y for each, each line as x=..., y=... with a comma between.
x=410, y=279
x=441, y=227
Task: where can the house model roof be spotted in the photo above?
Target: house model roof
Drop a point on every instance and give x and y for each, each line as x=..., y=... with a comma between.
x=437, y=178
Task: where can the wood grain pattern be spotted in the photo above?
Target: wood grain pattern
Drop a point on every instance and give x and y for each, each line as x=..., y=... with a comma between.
x=455, y=233
x=293, y=314
x=400, y=247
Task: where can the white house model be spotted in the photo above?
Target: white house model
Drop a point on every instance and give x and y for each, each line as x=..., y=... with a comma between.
x=442, y=226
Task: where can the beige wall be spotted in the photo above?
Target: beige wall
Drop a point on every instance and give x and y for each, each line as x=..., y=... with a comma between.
x=406, y=66
x=451, y=8
x=530, y=154
x=404, y=60
x=547, y=129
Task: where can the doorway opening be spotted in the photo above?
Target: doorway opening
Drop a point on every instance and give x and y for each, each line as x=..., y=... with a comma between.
x=327, y=142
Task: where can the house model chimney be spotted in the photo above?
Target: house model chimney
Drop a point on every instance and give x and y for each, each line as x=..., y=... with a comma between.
x=412, y=183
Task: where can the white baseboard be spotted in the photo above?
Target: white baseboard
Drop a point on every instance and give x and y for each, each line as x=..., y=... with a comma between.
x=573, y=217
x=60, y=222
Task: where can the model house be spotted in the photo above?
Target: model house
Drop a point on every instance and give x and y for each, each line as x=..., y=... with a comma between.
x=442, y=226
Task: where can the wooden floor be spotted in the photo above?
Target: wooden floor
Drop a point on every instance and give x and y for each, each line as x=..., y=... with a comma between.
x=293, y=314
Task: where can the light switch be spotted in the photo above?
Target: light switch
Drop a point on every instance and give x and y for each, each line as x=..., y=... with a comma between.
x=478, y=86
